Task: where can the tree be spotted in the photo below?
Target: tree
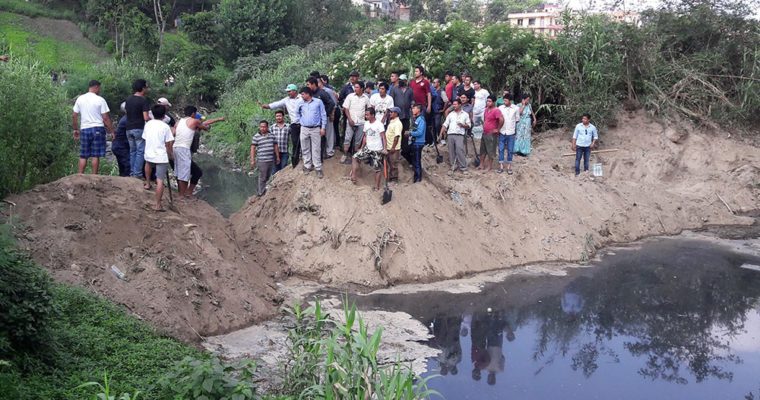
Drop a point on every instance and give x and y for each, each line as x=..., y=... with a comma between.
x=431, y=10
x=162, y=10
x=467, y=10
x=498, y=10
x=250, y=27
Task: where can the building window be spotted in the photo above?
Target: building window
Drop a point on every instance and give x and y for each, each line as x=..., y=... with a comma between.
x=531, y=21
x=519, y=22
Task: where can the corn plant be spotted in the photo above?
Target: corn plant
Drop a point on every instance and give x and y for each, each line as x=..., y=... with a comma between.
x=331, y=360
x=105, y=390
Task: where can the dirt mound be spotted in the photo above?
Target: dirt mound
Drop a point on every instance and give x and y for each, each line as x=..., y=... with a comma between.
x=184, y=272
x=334, y=232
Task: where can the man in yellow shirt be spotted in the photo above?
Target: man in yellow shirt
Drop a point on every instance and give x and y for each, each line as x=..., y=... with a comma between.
x=393, y=143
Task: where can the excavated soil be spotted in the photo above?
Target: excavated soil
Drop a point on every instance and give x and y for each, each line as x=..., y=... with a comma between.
x=192, y=273
x=660, y=181
x=184, y=272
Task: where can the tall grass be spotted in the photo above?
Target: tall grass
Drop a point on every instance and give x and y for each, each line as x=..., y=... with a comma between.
x=36, y=9
x=35, y=136
x=334, y=359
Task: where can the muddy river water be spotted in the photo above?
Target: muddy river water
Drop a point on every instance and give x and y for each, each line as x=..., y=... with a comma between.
x=671, y=318
x=666, y=318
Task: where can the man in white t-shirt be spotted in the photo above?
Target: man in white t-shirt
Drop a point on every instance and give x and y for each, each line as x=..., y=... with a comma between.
x=354, y=107
x=479, y=103
x=381, y=102
x=511, y=114
x=91, y=111
x=158, y=150
x=372, y=147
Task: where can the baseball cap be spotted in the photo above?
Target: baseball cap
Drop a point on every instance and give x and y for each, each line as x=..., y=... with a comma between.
x=403, y=77
x=354, y=73
x=164, y=102
x=291, y=87
x=394, y=109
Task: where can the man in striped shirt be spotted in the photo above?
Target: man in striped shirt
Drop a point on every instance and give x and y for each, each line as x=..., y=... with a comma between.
x=265, y=153
x=281, y=133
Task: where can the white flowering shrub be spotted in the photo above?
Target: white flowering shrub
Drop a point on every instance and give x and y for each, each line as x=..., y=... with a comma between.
x=434, y=46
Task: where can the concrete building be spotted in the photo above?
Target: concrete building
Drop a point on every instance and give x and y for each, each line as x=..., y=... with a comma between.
x=547, y=20
x=386, y=8
x=544, y=21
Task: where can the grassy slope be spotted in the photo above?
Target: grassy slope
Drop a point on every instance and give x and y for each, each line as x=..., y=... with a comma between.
x=91, y=336
x=32, y=9
x=48, y=51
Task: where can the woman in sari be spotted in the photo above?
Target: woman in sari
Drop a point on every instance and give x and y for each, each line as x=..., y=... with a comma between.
x=525, y=126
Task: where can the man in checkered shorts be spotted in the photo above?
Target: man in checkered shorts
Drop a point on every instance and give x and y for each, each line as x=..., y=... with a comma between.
x=91, y=111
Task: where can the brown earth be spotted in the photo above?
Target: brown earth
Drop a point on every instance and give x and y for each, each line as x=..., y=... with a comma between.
x=60, y=29
x=184, y=272
x=192, y=273
x=661, y=181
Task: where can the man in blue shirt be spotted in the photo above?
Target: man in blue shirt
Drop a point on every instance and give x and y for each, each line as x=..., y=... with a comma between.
x=584, y=138
x=418, y=141
x=313, y=118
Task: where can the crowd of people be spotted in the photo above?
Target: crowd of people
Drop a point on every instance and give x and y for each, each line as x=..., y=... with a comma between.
x=379, y=123
x=146, y=141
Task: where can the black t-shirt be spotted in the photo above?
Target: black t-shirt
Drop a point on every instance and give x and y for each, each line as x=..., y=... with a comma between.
x=135, y=106
x=469, y=92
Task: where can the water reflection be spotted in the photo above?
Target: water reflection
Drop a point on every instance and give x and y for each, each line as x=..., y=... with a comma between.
x=675, y=319
x=224, y=189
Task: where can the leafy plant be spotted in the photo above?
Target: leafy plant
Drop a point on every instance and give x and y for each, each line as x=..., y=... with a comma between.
x=201, y=379
x=27, y=302
x=337, y=359
x=105, y=390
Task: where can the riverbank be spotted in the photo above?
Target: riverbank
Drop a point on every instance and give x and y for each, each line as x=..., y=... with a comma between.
x=192, y=273
x=659, y=181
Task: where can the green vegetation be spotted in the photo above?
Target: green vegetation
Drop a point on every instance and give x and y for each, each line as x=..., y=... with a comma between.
x=35, y=142
x=55, y=337
x=34, y=9
x=49, y=52
x=331, y=359
x=61, y=342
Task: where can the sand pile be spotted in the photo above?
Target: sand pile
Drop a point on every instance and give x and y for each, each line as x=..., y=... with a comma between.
x=661, y=181
x=184, y=272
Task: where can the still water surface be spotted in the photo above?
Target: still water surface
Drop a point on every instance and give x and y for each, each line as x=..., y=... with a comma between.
x=221, y=187
x=673, y=319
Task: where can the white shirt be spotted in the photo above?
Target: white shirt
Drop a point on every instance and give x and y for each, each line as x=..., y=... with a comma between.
x=185, y=135
x=373, y=132
x=356, y=106
x=381, y=104
x=156, y=134
x=479, y=105
x=289, y=105
x=90, y=108
x=585, y=135
x=453, y=120
x=511, y=115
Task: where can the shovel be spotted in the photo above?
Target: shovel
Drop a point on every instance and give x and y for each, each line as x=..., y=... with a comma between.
x=387, y=193
x=438, y=156
x=169, y=187
x=476, y=161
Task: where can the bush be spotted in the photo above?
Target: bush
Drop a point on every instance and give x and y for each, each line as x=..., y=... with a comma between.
x=210, y=378
x=27, y=302
x=332, y=359
x=35, y=136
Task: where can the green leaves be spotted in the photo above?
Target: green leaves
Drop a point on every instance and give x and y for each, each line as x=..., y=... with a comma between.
x=210, y=379
x=336, y=358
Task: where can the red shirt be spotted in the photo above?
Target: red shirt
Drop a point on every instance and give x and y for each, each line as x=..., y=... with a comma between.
x=450, y=89
x=420, y=91
x=491, y=121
